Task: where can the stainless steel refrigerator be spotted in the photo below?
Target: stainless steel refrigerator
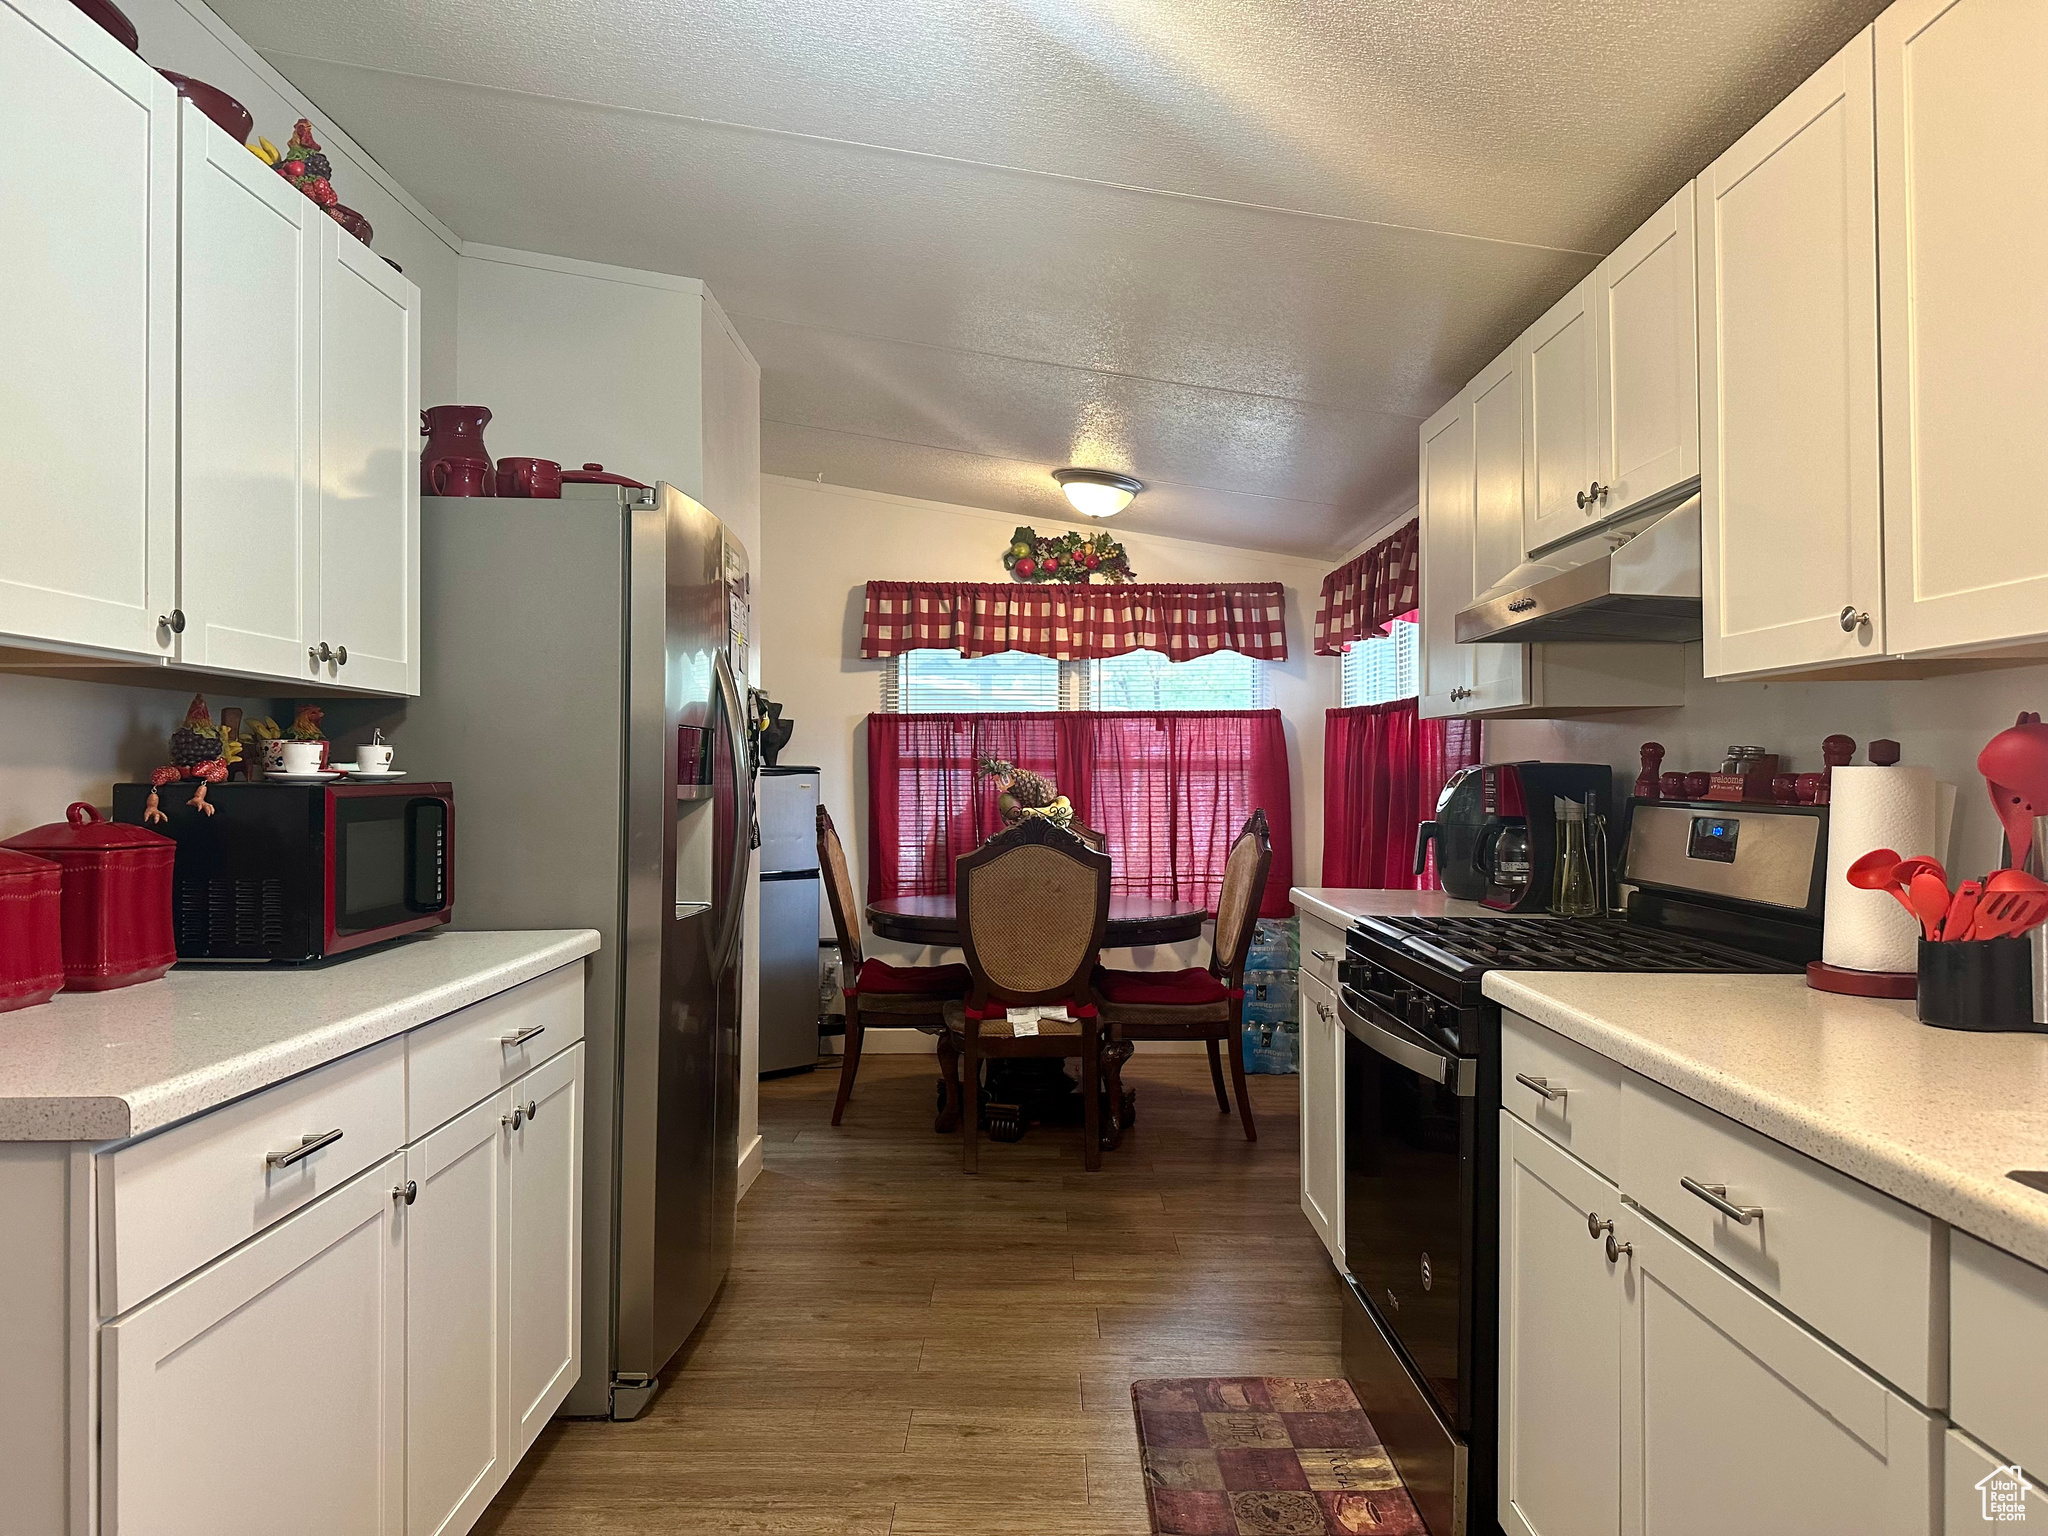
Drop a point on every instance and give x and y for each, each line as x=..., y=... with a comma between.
x=789, y=919
x=576, y=652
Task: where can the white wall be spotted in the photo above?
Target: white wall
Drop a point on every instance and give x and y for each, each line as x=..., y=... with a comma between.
x=1942, y=722
x=823, y=543
x=183, y=35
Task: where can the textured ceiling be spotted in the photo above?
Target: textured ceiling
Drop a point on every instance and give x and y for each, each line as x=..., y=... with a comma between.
x=1238, y=248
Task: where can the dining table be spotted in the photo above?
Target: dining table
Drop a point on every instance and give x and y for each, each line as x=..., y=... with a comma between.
x=1134, y=921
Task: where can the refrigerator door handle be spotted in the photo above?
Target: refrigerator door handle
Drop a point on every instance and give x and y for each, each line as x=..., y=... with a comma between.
x=743, y=809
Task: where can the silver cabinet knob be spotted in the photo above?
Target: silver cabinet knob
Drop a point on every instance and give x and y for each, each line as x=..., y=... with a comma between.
x=532, y=1111
x=1616, y=1250
x=1595, y=1226
x=174, y=621
x=321, y=652
x=1592, y=494
x=516, y=1119
x=341, y=655
x=1853, y=619
x=409, y=1191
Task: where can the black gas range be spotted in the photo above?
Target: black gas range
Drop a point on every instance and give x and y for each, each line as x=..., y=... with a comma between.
x=1423, y=1105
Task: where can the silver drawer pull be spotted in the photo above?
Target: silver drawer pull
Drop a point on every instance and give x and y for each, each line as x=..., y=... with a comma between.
x=1541, y=1085
x=304, y=1149
x=1716, y=1195
x=520, y=1037
x=1326, y=959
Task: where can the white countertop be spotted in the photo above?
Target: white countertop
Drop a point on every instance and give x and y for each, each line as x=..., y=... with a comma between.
x=1342, y=907
x=99, y=1066
x=1934, y=1117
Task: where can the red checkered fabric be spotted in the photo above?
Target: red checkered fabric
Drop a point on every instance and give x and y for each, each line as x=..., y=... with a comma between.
x=1361, y=596
x=1075, y=622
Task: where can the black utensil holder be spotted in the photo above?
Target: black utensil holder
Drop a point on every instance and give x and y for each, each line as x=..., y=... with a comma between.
x=1982, y=984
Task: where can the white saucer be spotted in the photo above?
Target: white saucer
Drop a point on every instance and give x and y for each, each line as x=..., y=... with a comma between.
x=360, y=773
x=282, y=777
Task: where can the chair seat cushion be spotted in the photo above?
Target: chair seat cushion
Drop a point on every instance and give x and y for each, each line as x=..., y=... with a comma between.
x=922, y=980
x=1160, y=988
x=1000, y=1028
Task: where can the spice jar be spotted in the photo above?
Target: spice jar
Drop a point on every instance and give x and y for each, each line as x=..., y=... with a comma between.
x=116, y=907
x=31, y=934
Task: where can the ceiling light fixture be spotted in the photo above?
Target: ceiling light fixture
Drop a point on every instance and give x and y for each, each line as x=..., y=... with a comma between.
x=1097, y=492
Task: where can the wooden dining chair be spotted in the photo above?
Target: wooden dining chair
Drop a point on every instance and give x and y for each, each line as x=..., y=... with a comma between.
x=895, y=995
x=1205, y=1004
x=1034, y=904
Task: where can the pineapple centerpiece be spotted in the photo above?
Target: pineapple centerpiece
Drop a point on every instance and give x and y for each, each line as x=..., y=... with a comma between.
x=1021, y=793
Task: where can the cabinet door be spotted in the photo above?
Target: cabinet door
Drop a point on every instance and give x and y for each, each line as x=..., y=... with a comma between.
x=1962, y=134
x=456, y=1271
x=1790, y=518
x=1499, y=673
x=269, y=1389
x=365, y=565
x=88, y=328
x=1737, y=1418
x=1980, y=1491
x=1646, y=306
x=248, y=403
x=544, y=1333
x=1322, y=1117
x=1561, y=419
x=1560, y=1342
x=1445, y=515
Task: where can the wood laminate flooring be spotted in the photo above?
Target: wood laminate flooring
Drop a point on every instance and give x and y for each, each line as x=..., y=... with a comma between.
x=902, y=1350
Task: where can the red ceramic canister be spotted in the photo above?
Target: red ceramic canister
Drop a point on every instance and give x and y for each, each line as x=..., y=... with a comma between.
x=117, y=897
x=31, y=930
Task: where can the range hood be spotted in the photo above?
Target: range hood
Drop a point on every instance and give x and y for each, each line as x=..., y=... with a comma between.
x=1635, y=576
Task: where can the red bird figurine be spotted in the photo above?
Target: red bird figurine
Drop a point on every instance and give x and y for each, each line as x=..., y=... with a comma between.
x=2015, y=766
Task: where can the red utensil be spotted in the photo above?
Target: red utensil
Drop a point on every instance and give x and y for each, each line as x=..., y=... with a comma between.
x=2007, y=914
x=1962, y=911
x=2015, y=768
x=1930, y=901
x=1878, y=870
x=1920, y=864
x=2012, y=880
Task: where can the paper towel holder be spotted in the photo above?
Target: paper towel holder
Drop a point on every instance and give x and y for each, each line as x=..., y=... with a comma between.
x=1823, y=977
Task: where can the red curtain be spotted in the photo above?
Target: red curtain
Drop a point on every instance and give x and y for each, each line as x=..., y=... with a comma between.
x=1078, y=621
x=1382, y=771
x=1360, y=596
x=1170, y=790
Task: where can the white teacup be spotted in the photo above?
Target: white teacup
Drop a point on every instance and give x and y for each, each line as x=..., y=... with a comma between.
x=273, y=754
x=300, y=758
x=373, y=758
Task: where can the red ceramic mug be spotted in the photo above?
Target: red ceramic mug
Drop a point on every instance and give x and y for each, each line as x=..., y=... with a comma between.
x=458, y=477
x=540, y=479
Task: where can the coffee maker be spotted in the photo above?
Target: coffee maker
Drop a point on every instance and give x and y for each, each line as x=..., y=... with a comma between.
x=1517, y=849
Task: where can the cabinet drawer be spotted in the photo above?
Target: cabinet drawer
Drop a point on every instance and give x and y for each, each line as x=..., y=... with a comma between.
x=1321, y=948
x=176, y=1200
x=1855, y=1265
x=452, y=1063
x=1585, y=1115
x=1998, y=1306
x=1979, y=1491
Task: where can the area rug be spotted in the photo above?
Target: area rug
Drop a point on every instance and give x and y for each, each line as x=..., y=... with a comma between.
x=1266, y=1456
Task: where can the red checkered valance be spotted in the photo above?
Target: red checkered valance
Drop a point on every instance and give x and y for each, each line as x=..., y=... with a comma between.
x=1360, y=596
x=1075, y=622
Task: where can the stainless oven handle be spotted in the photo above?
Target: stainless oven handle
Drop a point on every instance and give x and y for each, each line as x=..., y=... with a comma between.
x=1457, y=1073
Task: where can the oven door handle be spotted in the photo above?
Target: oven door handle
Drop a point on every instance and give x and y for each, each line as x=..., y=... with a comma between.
x=1402, y=1046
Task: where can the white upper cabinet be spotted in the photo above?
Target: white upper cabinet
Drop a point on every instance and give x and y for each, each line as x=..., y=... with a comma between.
x=248, y=397
x=1790, y=509
x=1497, y=467
x=88, y=332
x=363, y=622
x=1445, y=516
x=1645, y=301
x=1558, y=357
x=1962, y=142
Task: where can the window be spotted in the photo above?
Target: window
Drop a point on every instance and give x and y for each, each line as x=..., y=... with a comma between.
x=927, y=682
x=1382, y=669
x=931, y=682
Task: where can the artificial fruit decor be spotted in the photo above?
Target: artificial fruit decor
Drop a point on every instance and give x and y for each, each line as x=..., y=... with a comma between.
x=1036, y=557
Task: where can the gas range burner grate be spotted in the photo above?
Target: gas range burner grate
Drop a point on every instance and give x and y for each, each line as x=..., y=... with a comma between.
x=1565, y=944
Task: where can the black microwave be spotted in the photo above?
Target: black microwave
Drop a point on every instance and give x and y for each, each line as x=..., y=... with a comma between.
x=296, y=872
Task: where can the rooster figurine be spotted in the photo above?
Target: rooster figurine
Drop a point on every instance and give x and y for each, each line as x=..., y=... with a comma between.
x=199, y=750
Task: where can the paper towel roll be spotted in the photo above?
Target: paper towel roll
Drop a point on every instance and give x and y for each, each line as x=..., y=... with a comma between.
x=1900, y=808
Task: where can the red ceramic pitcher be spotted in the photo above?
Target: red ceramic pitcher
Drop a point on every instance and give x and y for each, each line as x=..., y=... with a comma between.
x=455, y=461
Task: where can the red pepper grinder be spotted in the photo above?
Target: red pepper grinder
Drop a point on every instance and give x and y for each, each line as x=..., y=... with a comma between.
x=1647, y=787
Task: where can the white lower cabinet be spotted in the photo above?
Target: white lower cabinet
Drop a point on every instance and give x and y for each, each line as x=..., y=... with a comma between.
x=267, y=1392
x=544, y=1305
x=1322, y=1115
x=456, y=1236
x=1560, y=1360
